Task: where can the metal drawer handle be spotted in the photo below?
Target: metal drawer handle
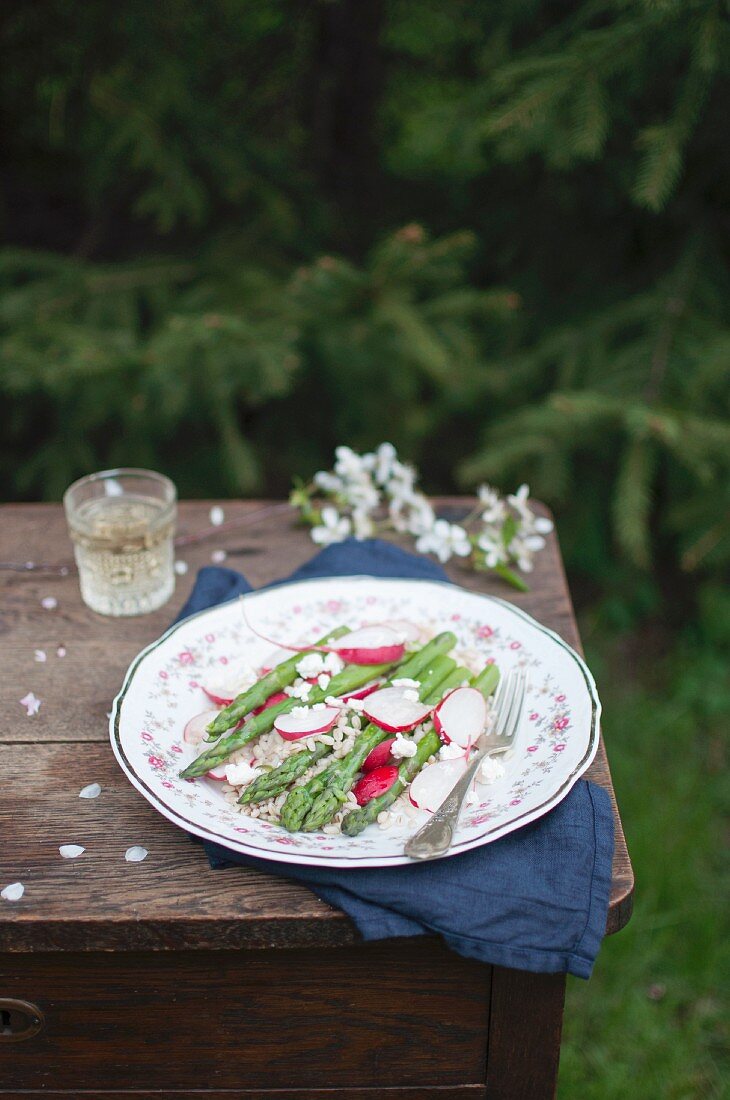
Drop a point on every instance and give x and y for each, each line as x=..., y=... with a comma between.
x=18, y=1020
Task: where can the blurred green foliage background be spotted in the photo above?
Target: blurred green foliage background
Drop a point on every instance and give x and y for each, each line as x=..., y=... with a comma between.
x=238, y=233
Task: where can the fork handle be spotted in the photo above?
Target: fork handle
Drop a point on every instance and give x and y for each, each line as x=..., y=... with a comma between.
x=435, y=837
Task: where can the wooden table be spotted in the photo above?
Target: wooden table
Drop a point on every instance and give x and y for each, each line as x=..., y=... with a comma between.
x=167, y=979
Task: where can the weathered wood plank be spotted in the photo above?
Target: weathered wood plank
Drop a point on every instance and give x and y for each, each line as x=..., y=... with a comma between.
x=348, y=1018
x=525, y=1021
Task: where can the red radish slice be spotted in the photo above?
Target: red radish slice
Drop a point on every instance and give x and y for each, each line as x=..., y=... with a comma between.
x=219, y=700
x=431, y=786
x=461, y=716
x=293, y=726
x=372, y=645
x=363, y=692
x=379, y=756
x=409, y=632
x=277, y=697
x=271, y=660
x=218, y=773
x=195, y=730
x=393, y=711
x=375, y=783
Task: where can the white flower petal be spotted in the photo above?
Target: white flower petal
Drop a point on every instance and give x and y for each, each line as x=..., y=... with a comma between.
x=31, y=703
x=13, y=892
x=61, y=651
x=327, y=481
x=181, y=568
x=49, y=602
x=218, y=556
x=136, y=854
x=216, y=515
x=71, y=851
x=40, y=656
x=543, y=525
x=93, y=790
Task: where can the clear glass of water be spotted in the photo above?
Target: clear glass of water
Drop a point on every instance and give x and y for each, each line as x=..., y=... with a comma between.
x=122, y=524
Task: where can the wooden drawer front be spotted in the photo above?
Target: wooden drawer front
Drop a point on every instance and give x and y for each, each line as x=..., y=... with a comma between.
x=400, y=1013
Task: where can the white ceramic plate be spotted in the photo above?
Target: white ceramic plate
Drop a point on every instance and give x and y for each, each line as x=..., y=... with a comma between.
x=555, y=744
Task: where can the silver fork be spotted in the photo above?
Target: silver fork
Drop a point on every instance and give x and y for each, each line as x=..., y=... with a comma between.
x=435, y=837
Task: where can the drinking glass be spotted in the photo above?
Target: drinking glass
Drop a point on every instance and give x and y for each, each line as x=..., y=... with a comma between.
x=122, y=524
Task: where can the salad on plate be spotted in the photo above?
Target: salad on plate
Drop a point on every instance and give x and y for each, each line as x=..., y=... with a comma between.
x=362, y=727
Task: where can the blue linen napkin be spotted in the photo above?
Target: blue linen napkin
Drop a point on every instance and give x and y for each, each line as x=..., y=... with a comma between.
x=535, y=900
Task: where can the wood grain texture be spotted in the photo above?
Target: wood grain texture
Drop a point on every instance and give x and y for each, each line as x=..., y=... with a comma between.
x=421, y=1092
x=251, y=1020
x=525, y=1022
x=172, y=900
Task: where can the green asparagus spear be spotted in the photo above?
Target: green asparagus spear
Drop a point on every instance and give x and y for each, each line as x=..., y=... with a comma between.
x=279, y=678
x=343, y=776
x=350, y=679
x=486, y=681
x=354, y=822
x=278, y=779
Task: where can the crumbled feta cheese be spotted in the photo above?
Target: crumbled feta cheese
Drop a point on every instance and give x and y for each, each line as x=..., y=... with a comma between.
x=323, y=681
x=310, y=665
x=239, y=774
x=299, y=691
x=299, y=712
x=402, y=747
x=450, y=751
x=357, y=705
x=405, y=682
x=490, y=770
x=333, y=664
x=411, y=695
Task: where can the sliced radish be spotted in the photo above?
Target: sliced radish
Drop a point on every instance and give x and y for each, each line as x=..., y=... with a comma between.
x=222, y=685
x=433, y=783
x=277, y=697
x=392, y=710
x=461, y=716
x=218, y=773
x=363, y=692
x=195, y=730
x=377, y=782
x=409, y=632
x=292, y=726
x=379, y=756
x=372, y=645
x=219, y=700
x=271, y=660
